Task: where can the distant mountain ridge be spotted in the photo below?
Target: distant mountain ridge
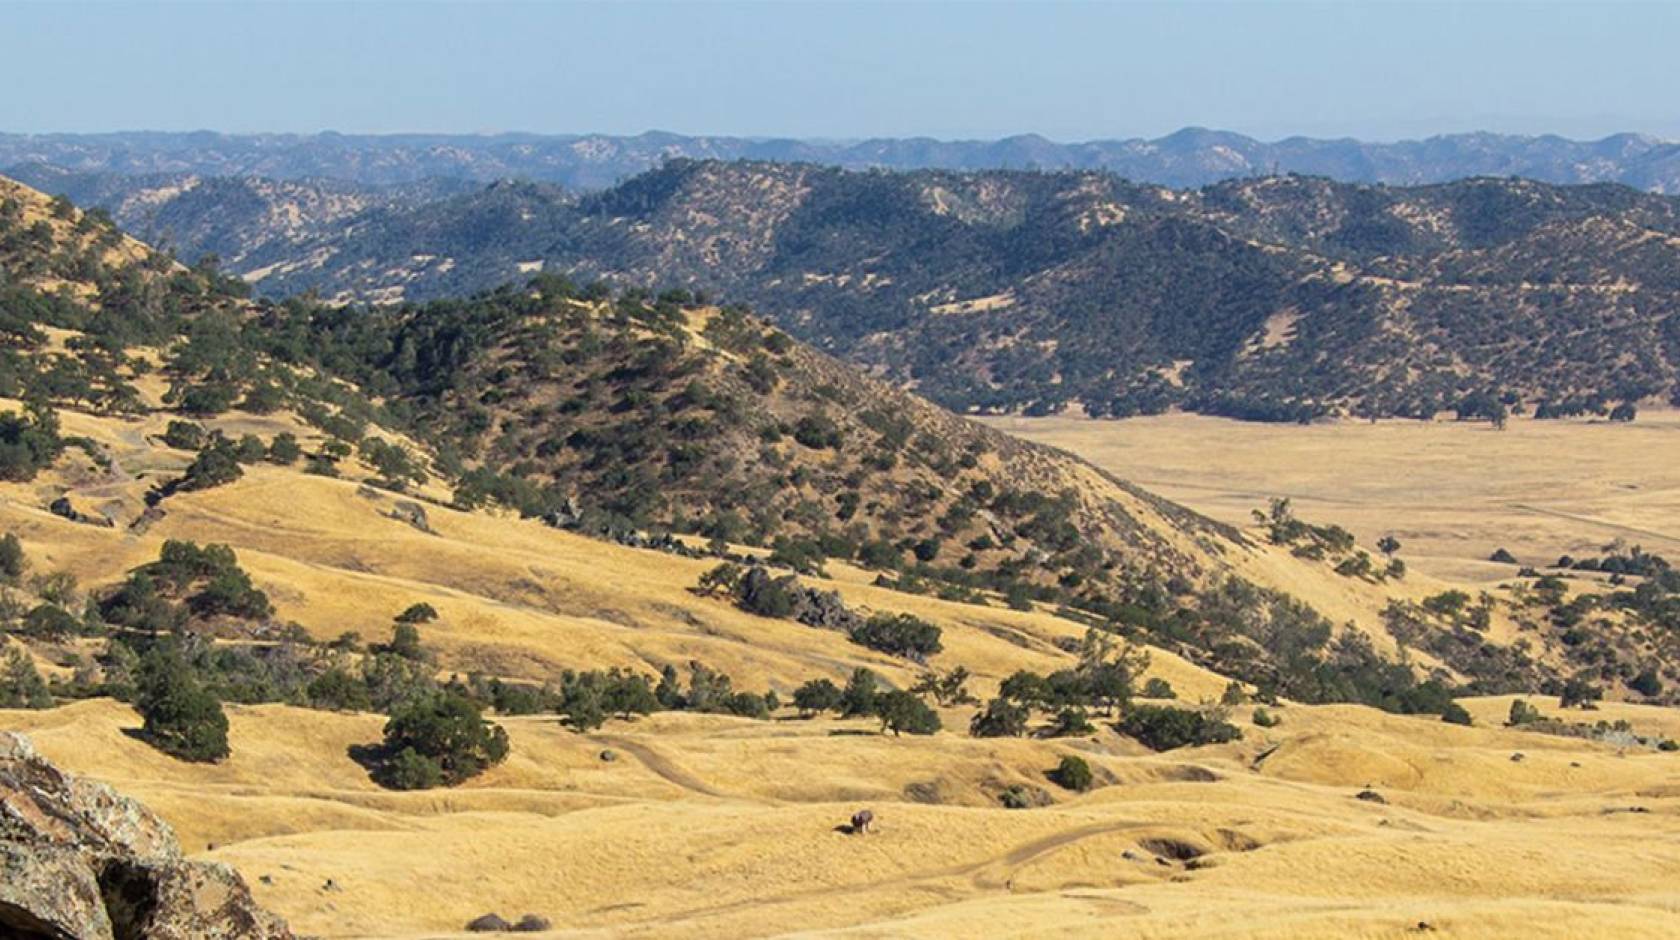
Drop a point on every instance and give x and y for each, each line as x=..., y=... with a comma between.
x=1278, y=298
x=1187, y=158
x=1274, y=298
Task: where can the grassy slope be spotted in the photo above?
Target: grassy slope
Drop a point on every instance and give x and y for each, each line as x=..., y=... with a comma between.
x=709, y=826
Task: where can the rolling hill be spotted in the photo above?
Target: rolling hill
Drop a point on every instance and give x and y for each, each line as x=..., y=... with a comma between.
x=546, y=475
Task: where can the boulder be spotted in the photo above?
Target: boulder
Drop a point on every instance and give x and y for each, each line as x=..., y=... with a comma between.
x=411, y=512
x=79, y=860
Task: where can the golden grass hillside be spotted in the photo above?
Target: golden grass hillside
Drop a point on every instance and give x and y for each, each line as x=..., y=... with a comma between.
x=706, y=826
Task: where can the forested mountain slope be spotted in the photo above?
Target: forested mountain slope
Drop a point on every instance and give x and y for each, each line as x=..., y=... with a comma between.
x=1281, y=298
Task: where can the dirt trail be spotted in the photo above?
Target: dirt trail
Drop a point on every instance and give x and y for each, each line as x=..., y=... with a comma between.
x=988, y=874
x=662, y=766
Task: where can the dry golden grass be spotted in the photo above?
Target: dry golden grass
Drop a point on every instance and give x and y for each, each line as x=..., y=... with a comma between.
x=718, y=827
x=1451, y=492
x=707, y=826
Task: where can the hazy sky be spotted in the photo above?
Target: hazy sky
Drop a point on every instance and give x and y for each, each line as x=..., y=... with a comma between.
x=952, y=69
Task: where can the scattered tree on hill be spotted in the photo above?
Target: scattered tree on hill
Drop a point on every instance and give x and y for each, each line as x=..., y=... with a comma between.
x=418, y=613
x=899, y=634
x=405, y=642
x=1158, y=687
x=948, y=688
x=1001, y=718
x=1072, y=773
x=440, y=738
x=1164, y=728
x=858, y=698
x=284, y=449
x=1579, y=693
x=181, y=717
x=28, y=442
x=723, y=579
x=1455, y=714
x=1522, y=713
x=12, y=560
x=216, y=465
x=901, y=711
x=817, y=695
x=21, y=685
x=184, y=435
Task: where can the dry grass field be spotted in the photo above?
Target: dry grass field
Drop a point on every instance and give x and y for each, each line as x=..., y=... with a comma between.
x=1451, y=492
x=718, y=827
x=708, y=826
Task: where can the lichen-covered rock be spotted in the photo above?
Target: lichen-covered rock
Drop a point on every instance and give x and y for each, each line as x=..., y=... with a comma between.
x=79, y=860
x=46, y=891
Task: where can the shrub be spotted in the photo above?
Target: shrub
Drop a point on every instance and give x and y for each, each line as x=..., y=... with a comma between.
x=898, y=634
x=1001, y=718
x=1455, y=714
x=21, y=685
x=418, y=613
x=1073, y=773
x=1265, y=719
x=1522, y=713
x=337, y=690
x=901, y=711
x=1158, y=688
x=1015, y=796
x=216, y=465
x=12, y=562
x=1647, y=683
x=817, y=695
x=184, y=435
x=1163, y=727
x=50, y=622
x=445, y=730
x=405, y=642
x=284, y=449
x=746, y=705
x=859, y=695
x=818, y=432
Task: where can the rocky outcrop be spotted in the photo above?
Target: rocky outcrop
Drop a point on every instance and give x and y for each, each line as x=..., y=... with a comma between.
x=79, y=861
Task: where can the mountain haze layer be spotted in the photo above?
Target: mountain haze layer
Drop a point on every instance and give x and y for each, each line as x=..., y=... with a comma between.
x=1190, y=157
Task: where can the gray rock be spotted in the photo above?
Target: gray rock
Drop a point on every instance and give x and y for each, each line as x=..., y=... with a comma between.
x=411, y=512
x=79, y=860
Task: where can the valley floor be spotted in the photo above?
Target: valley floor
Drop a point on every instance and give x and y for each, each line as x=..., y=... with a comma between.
x=1451, y=492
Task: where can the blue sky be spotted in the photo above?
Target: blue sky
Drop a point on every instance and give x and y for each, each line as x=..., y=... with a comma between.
x=810, y=69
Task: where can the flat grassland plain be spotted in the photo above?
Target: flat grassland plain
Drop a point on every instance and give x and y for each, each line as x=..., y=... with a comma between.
x=1451, y=492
